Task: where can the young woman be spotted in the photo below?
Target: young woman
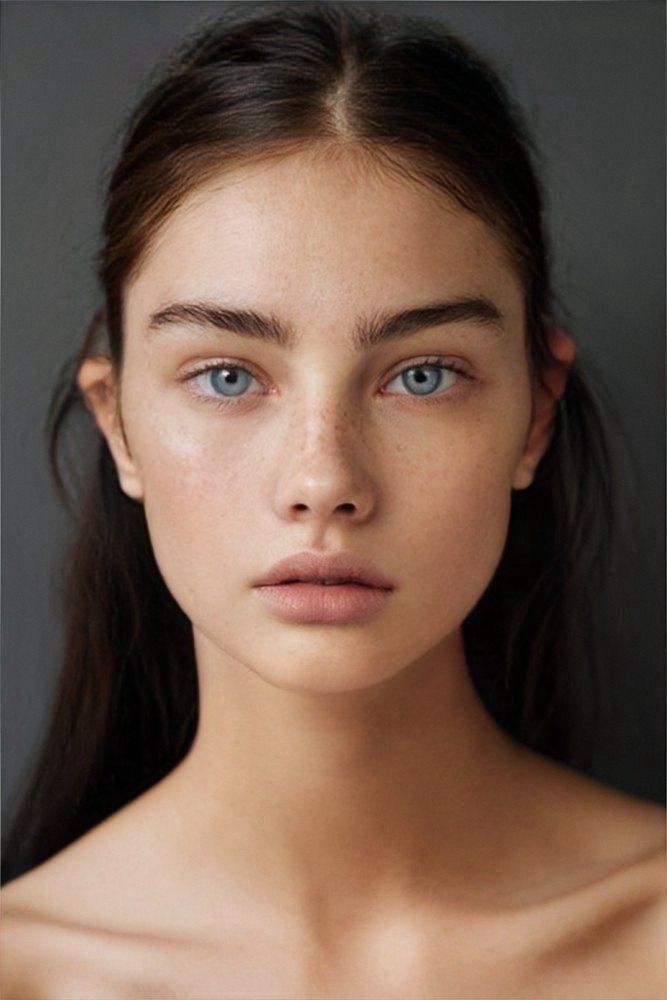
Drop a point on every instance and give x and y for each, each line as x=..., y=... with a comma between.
x=347, y=462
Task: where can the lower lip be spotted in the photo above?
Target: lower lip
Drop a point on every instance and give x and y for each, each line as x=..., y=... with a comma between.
x=314, y=602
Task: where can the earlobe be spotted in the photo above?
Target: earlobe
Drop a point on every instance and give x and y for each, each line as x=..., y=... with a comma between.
x=98, y=386
x=547, y=394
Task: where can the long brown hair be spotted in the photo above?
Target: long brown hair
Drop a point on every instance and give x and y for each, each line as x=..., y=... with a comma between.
x=260, y=81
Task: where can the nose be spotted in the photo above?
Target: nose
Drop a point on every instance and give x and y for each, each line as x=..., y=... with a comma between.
x=324, y=469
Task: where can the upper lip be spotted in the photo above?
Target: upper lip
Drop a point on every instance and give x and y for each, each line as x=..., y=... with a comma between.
x=325, y=566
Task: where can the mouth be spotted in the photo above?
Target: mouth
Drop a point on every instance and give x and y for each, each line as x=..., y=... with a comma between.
x=316, y=581
x=330, y=583
x=338, y=602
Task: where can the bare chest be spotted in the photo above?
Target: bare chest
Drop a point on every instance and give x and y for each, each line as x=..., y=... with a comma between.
x=458, y=963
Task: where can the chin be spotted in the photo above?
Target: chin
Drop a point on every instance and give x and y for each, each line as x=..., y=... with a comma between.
x=320, y=672
x=323, y=682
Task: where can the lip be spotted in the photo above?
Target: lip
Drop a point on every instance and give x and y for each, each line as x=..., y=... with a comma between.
x=339, y=604
x=314, y=602
x=325, y=566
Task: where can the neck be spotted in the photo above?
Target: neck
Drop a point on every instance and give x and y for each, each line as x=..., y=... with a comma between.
x=353, y=794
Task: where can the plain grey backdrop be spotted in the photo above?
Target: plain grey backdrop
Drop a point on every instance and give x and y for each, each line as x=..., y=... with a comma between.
x=590, y=77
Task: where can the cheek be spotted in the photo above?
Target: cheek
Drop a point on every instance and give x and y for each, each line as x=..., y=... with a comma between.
x=456, y=516
x=477, y=515
x=197, y=509
x=466, y=510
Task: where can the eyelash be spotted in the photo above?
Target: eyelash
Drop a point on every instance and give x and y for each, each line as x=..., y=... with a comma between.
x=437, y=361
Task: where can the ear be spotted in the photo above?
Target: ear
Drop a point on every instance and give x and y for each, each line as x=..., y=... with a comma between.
x=547, y=394
x=98, y=385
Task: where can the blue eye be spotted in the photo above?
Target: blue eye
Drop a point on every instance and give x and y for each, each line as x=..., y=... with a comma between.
x=426, y=378
x=230, y=381
x=227, y=381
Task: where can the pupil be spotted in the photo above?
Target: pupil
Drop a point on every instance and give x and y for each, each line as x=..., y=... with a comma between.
x=423, y=377
x=228, y=378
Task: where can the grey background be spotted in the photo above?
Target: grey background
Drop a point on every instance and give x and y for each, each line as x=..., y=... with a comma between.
x=590, y=78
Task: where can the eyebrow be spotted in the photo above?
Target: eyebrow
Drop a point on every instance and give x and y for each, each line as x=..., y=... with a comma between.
x=368, y=332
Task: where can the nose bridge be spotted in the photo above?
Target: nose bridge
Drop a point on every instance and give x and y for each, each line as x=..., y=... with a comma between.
x=324, y=456
x=326, y=418
x=323, y=424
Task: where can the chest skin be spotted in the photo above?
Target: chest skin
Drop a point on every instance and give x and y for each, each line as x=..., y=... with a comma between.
x=601, y=947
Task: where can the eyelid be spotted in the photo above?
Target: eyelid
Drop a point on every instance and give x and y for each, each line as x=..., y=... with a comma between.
x=435, y=360
x=441, y=360
x=207, y=366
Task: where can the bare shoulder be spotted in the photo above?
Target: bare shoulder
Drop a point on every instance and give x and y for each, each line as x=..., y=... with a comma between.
x=105, y=879
x=616, y=841
x=44, y=957
x=17, y=980
x=602, y=825
x=79, y=924
x=607, y=927
x=610, y=937
x=39, y=961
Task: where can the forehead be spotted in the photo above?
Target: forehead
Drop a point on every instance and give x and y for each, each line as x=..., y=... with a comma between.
x=314, y=232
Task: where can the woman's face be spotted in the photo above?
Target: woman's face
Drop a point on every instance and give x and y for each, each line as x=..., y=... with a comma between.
x=324, y=445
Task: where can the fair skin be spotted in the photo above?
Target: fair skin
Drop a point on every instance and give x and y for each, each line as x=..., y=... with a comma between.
x=350, y=821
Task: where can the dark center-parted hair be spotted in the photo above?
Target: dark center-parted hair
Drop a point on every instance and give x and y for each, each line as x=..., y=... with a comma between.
x=261, y=81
